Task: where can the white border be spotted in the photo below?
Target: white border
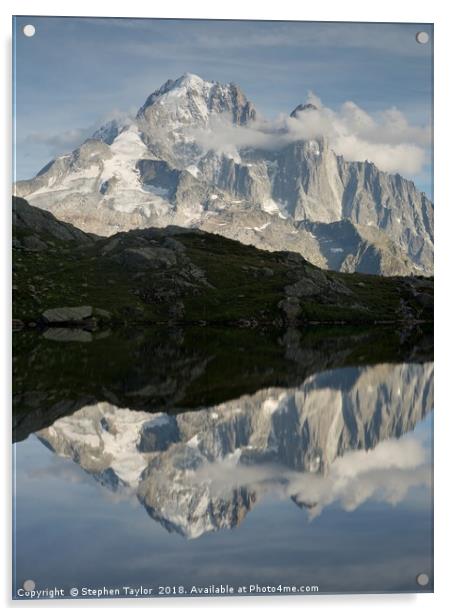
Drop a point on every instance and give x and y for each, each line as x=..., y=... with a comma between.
x=435, y=11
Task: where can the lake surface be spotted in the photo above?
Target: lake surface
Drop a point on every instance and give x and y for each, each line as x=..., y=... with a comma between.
x=317, y=478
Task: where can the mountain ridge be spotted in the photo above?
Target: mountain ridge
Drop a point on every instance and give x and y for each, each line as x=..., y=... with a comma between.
x=175, y=274
x=257, y=195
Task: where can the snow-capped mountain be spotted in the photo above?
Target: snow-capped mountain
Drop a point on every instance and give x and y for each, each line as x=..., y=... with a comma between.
x=202, y=471
x=178, y=162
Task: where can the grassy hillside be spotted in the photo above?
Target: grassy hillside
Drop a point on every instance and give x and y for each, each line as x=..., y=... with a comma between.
x=188, y=276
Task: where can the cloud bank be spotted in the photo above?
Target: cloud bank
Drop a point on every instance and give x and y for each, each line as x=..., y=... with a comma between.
x=385, y=473
x=68, y=140
x=385, y=138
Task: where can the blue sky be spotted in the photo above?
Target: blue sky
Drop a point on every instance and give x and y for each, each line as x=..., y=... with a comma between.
x=75, y=72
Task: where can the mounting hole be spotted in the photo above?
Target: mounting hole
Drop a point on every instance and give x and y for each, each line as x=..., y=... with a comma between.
x=29, y=585
x=29, y=30
x=422, y=579
x=422, y=38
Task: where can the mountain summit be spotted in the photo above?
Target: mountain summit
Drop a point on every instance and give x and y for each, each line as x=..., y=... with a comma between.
x=303, y=107
x=192, y=100
x=186, y=159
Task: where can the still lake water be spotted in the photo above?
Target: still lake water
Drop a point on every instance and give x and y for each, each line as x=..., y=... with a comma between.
x=325, y=483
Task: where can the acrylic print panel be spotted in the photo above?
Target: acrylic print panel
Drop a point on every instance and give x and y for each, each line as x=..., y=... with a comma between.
x=223, y=305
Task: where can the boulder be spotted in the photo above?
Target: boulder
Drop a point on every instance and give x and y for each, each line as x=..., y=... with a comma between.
x=67, y=314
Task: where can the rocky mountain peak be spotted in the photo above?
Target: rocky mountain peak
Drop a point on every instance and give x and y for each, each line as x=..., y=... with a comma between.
x=110, y=130
x=303, y=107
x=193, y=100
x=187, y=82
x=190, y=80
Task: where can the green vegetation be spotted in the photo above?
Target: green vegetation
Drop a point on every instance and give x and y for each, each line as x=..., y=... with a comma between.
x=175, y=275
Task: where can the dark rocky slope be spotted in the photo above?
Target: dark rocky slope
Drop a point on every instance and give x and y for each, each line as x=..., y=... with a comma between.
x=176, y=275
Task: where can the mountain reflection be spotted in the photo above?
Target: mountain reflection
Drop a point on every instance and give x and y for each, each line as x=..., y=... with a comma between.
x=334, y=438
x=182, y=369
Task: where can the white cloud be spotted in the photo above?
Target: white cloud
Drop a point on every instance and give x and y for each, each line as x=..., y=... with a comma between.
x=385, y=138
x=59, y=142
x=385, y=473
x=68, y=140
